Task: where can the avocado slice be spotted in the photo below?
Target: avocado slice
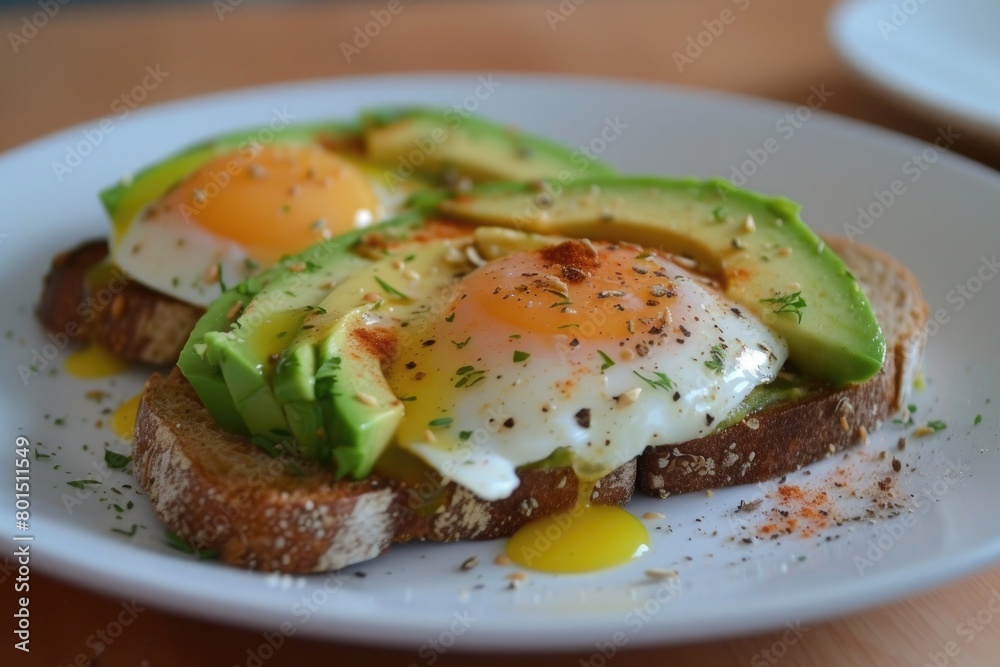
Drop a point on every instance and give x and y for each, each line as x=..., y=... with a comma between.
x=770, y=262
x=434, y=140
x=223, y=347
x=336, y=398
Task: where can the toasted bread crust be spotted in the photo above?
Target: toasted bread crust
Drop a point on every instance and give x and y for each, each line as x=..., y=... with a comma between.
x=134, y=322
x=782, y=439
x=220, y=492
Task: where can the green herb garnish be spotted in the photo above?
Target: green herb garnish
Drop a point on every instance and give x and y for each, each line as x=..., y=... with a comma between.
x=390, y=289
x=461, y=344
x=82, y=483
x=468, y=376
x=936, y=425
x=661, y=381
x=716, y=362
x=608, y=362
x=978, y=420
x=440, y=422
x=115, y=460
x=126, y=533
x=788, y=303
x=520, y=356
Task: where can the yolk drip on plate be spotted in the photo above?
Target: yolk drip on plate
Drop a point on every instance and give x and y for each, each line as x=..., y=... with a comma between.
x=588, y=538
x=123, y=419
x=94, y=361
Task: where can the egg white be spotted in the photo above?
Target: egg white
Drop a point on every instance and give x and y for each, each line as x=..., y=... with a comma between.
x=520, y=413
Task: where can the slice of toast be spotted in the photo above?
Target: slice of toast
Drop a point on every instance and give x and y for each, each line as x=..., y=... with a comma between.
x=785, y=437
x=219, y=492
x=134, y=322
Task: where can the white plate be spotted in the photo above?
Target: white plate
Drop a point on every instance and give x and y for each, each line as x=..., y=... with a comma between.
x=942, y=56
x=942, y=225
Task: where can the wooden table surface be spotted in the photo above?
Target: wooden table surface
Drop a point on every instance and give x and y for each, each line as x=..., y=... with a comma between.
x=84, y=58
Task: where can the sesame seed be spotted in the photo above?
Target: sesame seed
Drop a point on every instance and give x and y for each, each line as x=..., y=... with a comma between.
x=653, y=515
x=365, y=399
x=212, y=274
x=784, y=251
x=661, y=574
x=429, y=436
x=749, y=225
x=503, y=559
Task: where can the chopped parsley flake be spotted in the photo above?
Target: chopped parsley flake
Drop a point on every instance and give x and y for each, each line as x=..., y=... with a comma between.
x=978, y=420
x=716, y=362
x=468, y=376
x=390, y=289
x=520, y=356
x=788, y=303
x=464, y=435
x=126, y=533
x=115, y=460
x=608, y=362
x=82, y=483
x=461, y=344
x=661, y=381
x=912, y=407
x=718, y=214
x=440, y=422
x=936, y=425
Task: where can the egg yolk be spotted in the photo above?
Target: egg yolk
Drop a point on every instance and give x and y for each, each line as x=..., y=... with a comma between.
x=123, y=418
x=585, y=539
x=568, y=290
x=94, y=361
x=274, y=200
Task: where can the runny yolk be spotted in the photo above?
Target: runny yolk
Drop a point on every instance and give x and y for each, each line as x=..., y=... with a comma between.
x=94, y=361
x=569, y=290
x=123, y=418
x=585, y=539
x=274, y=200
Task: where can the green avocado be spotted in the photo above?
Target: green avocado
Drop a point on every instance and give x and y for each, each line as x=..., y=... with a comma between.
x=228, y=356
x=330, y=381
x=769, y=261
x=436, y=140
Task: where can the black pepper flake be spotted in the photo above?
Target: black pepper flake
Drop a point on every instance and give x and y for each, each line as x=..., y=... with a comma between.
x=583, y=417
x=619, y=307
x=410, y=365
x=687, y=334
x=360, y=575
x=509, y=423
x=574, y=342
x=709, y=419
x=652, y=302
x=428, y=343
x=737, y=311
x=677, y=396
x=896, y=465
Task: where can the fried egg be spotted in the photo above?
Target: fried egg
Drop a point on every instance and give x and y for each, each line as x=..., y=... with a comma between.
x=596, y=349
x=244, y=210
